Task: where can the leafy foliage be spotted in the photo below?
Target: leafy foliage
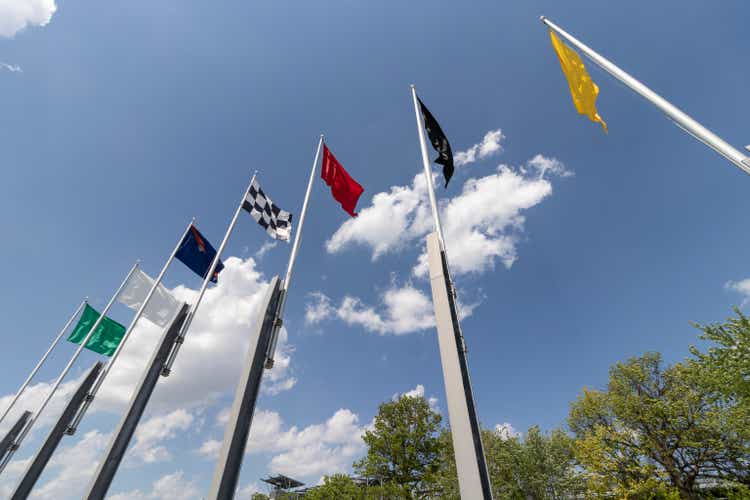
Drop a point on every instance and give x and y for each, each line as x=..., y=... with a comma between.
x=656, y=430
x=403, y=446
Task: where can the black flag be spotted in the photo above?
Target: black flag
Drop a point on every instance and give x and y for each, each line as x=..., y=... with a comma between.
x=439, y=142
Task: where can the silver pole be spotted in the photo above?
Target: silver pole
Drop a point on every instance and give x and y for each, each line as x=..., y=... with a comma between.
x=44, y=358
x=67, y=368
x=100, y=380
x=427, y=168
x=181, y=337
x=682, y=120
x=292, y=257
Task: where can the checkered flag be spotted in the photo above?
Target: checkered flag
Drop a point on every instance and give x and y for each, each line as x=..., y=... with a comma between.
x=276, y=222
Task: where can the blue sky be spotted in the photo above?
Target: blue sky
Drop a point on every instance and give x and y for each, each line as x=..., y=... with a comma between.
x=120, y=122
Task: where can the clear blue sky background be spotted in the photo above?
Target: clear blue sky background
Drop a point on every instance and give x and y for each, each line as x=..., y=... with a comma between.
x=128, y=119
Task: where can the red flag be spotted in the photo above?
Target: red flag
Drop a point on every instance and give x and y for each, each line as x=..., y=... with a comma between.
x=344, y=189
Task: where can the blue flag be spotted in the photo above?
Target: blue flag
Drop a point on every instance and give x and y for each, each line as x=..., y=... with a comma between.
x=197, y=253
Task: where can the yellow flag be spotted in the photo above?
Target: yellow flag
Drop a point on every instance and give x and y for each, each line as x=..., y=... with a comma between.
x=582, y=88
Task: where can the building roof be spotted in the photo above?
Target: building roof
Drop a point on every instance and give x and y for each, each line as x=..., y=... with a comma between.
x=282, y=482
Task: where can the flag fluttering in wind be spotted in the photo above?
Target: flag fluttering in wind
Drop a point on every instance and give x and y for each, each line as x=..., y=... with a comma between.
x=344, y=189
x=439, y=142
x=276, y=222
x=105, y=339
x=583, y=90
x=160, y=309
x=197, y=253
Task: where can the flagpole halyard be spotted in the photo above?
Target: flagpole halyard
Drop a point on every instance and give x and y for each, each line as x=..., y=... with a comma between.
x=427, y=168
x=292, y=257
x=206, y=279
x=105, y=371
x=44, y=358
x=65, y=371
x=680, y=118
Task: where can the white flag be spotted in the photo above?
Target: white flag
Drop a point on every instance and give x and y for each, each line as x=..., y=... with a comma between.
x=162, y=306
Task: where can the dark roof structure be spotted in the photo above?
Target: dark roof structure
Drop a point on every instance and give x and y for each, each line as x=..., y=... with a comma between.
x=281, y=482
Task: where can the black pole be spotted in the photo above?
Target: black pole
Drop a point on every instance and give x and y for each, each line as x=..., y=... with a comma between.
x=7, y=443
x=119, y=443
x=227, y=471
x=42, y=457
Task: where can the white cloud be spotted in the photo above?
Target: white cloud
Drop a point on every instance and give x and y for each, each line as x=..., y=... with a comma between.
x=403, y=309
x=151, y=433
x=319, y=309
x=418, y=392
x=70, y=469
x=265, y=248
x=741, y=287
x=489, y=146
x=317, y=449
x=168, y=487
x=219, y=331
x=11, y=67
x=15, y=15
x=543, y=165
x=482, y=224
x=506, y=431
x=406, y=310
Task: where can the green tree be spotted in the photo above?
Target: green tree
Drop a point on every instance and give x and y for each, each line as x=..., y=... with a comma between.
x=403, y=447
x=539, y=467
x=727, y=359
x=654, y=431
x=259, y=496
x=338, y=486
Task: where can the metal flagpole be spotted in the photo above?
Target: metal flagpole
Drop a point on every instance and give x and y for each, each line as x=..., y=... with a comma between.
x=292, y=257
x=118, y=445
x=229, y=463
x=100, y=380
x=7, y=442
x=471, y=466
x=427, y=168
x=67, y=368
x=682, y=120
x=44, y=358
x=181, y=337
x=41, y=459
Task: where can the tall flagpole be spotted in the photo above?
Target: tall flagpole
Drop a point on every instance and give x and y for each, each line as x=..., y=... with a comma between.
x=427, y=168
x=186, y=325
x=100, y=380
x=44, y=358
x=682, y=120
x=292, y=257
x=67, y=368
x=471, y=465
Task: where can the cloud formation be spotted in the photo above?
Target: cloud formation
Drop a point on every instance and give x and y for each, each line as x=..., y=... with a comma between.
x=15, y=15
x=482, y=224
x=742, y=287
x=490, y=145
x=11, y=67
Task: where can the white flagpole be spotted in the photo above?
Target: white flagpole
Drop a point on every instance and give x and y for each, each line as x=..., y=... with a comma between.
x=67, y=368
x=44, y=358
x=292, y=257
x=471, y=466
x=427, y=168
x=181, y=337
x=100, y=380
x=682, y=120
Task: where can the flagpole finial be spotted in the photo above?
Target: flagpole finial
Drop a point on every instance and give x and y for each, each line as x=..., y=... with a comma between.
x=542, y=19
x=411, y=86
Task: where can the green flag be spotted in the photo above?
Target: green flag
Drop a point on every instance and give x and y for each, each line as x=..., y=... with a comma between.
x=105, y=339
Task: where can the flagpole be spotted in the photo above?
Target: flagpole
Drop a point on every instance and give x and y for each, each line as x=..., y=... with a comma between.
x=183, y=332
x=67, y=368
x=292, y=257
x=100, y=380
x=427, y=168
x=680, y=118
x=471, y=465
x=44, y=358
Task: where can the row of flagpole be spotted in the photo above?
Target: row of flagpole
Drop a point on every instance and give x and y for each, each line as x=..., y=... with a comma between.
x=684, y=121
